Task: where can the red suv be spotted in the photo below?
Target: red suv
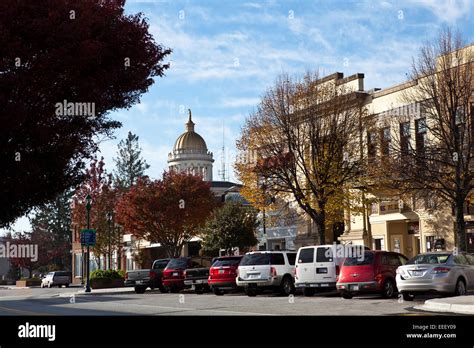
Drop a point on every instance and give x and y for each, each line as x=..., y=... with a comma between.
x=173, y=275
x=223, y=273
x=373, y=273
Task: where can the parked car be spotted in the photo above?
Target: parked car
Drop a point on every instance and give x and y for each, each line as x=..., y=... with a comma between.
x=317, y=268
x=197, y=274
x=439, y=272
x=223, y=273
x=173, y=274
x=260, y=270
x=373, y=273
x=57, y=278
x=147, y=278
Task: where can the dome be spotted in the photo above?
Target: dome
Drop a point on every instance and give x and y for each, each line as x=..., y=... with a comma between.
x=190, y=140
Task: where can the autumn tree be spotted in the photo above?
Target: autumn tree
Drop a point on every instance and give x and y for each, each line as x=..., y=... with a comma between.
x=129, y=163
x=439, y=162
x=64, y=51
x=98, y=185
x=230, y=226
x=169, y=211
x=305, y=136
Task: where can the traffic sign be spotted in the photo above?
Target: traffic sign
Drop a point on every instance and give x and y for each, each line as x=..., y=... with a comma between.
x=88, y=237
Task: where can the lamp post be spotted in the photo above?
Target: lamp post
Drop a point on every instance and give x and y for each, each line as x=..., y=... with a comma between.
x=88, y=207
x=109, y=220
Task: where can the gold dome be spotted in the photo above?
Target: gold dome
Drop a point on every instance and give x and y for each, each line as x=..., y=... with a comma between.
x=190, y=140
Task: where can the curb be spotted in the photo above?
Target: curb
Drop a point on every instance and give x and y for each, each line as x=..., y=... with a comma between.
x=435, y=305
x=96, y=292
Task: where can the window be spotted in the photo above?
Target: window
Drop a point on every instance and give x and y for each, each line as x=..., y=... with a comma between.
x=385, y=140
x=405, y=138
x=429, y=259
x=323, y=255
x=368, y=259
x=78, y=265
x=291, y=258
x=129, y=264
x=277, y=259
x=420, y=127
x=371, y=145
x=255, y=259
x=430, y=243
x=378, y=244
x=306, y=255
x=402, y=259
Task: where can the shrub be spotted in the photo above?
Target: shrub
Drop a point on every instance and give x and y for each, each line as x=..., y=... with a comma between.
x=107, y=274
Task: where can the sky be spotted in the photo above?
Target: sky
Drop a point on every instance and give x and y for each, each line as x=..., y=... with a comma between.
x=227, y=53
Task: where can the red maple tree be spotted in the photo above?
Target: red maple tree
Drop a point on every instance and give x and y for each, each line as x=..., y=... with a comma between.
x=169, y=211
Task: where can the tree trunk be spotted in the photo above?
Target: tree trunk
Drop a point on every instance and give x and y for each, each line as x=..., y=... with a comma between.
x=321, y=226
x=460, y=224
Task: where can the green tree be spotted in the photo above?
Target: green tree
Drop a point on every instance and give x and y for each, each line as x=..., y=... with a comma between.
x=129, y=163
x=231, y=225
x=54, y=219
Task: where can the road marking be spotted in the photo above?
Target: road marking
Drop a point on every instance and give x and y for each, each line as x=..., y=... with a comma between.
x=23, y=312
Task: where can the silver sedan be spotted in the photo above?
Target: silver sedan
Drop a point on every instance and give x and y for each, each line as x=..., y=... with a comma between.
x=440, y=272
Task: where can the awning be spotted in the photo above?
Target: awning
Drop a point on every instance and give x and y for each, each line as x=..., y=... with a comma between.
x=408, y=217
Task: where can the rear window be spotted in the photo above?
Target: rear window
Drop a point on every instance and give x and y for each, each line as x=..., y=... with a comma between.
x=291, y=258
x=255, y=259
x=228, y=261
x=160, y=264
x=324, y=255
x=61, y=274
x=178, y=263
x=277, y=259
x=368, y=259
x=306, y=255
x=428, y=259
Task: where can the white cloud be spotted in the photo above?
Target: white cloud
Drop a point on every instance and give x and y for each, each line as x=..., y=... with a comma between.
x=446, y=10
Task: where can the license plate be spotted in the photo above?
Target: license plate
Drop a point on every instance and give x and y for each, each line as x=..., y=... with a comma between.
x=253, y=276
x=221, y=271
x=354, y=287
x=175, y=274
x=188, y=282
x=324, y=285
x=416, y=273
x=139, y=281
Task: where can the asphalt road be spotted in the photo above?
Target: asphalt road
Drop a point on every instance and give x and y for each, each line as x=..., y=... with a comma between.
x=36, y=301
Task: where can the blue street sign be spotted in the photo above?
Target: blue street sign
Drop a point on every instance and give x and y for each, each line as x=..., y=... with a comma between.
x=88, y=237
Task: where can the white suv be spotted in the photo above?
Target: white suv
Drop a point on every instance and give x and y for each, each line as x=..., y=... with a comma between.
x=260, y=270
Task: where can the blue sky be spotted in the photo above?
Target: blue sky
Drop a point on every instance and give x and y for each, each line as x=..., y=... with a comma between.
x=226, y=53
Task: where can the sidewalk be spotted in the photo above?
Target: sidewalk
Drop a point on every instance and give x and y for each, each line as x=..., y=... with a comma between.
x=459, y=305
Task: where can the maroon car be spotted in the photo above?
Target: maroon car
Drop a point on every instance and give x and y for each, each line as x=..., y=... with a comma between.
x=373, y=273
x=223, y=273
x=173, y=275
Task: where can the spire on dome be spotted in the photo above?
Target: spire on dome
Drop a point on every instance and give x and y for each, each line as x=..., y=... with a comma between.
x=190, y=123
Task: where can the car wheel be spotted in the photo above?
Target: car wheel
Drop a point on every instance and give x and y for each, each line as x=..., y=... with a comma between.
x=251, y=292
x=287, y=287
x=408, y=296
x=218, y=292
x=140, y=289
x=346, y=296
x=67, y=285
x=460, y=289
x=42, y=285
x=309, y=291
x=49, y=285
x=388, y=289
x=199, y=290
x=163, y=289
x=174, y=290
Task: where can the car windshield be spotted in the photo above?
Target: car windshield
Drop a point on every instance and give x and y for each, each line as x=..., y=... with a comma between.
x=255, y=259
x=368, y=259
x=428, y=259
x=228, y=261
x=178, y=263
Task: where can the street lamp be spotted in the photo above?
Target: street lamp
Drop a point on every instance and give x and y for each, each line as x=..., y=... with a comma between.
x=110, y=216
x=88, y=207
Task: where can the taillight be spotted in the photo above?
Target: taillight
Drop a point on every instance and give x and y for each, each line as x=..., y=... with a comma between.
x=337, y=270
x=126, y=276
x=184, y=273
x=273, y=271
x=438, y=270
x=152, y=275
